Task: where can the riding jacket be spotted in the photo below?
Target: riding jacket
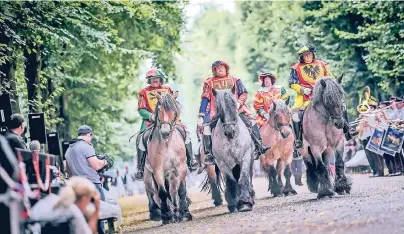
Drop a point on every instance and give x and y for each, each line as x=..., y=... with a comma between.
x=305, y=75
x=264, y=98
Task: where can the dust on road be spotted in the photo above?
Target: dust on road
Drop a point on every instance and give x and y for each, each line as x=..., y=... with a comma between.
x=375, y=205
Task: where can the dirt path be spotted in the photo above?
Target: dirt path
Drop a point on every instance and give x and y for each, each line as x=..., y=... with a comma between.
x=375, y=205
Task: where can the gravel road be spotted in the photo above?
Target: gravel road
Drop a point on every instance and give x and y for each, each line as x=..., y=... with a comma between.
x=375, y=205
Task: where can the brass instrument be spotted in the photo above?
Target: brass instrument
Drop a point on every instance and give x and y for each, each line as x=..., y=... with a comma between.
x=365, y=101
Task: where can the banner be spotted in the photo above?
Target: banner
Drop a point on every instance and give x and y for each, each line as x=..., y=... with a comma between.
x=375, y=141
x=393, y=140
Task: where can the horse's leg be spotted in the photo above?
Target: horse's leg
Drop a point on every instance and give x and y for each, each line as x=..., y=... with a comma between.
x=216, y=196
x=166, y=213
x=154, y=209
x=326, y=184
x=184, y=205
x=266, y=169
x=246, y=199
x=342, y=183
x=288, y=190
x=280, y=167
x=273, y=174
x=174, y=186
x=311, y=171
x=230, y=194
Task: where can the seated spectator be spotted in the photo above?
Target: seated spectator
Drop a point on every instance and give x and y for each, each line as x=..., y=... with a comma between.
x=73, y=205
x=35, y=146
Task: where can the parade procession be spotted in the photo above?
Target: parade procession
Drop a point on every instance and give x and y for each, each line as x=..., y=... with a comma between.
x=201, y=116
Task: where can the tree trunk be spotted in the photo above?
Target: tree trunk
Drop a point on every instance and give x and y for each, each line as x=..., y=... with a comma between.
x=7, y=71
x=63, y=128
x=32, y=68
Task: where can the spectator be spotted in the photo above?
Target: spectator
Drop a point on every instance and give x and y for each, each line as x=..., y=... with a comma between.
x=82, y=161
x=35, y=146
x=72, y=202
x=15, y=130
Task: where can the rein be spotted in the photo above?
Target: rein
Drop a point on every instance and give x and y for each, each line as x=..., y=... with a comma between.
x=329, y=116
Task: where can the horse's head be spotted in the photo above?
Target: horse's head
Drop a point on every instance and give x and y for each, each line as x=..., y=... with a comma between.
x=329, y=93
x=280, y=114
x=167, y=112
x=226, y=107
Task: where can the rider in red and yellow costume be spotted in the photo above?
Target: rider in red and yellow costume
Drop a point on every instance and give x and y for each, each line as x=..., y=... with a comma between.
x=303, y=76
x=146, y=106
x=266, y=95
x=207, y=111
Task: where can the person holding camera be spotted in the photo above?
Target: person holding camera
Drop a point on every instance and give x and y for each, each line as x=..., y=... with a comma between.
x=81, y=160
x=16, y=128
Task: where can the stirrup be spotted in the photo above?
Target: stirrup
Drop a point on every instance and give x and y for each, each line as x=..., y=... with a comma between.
x=298, y=144
x=209, y=159
x=139, y=176
x=193, y=165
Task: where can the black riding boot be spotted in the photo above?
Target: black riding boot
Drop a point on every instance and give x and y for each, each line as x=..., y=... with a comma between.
x=191, y=161
x=260, y=148
x=298, y=180
x=347, y=133
x=298, y=138
x=141, y=159
x=207, y=148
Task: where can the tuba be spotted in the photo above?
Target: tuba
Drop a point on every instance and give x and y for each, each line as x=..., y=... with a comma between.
x=363, y=106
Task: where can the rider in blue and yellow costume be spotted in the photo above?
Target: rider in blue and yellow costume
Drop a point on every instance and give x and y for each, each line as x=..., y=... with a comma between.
x=303, y=76
x=146, y=106
x=207, y=111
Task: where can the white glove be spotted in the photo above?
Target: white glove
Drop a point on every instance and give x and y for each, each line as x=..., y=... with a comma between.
x=239, y=104
x=266, y=116
x=306, y=91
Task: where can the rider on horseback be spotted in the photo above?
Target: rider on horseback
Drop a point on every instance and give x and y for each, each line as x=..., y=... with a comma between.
x=303, y=76
x=266, y=95
x=207, y=111
x=146, y=106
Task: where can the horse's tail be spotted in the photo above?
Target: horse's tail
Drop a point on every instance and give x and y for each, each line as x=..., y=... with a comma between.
x=206, y=184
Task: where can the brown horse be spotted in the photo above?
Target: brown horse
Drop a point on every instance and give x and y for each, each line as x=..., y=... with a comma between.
x=276, y=132
x=323, y=138
x=166, y=166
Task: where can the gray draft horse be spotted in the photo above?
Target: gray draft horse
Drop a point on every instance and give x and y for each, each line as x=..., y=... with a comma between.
x=323, y=138
x=233, y=150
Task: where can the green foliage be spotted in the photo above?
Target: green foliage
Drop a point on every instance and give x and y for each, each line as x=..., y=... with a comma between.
x=90, y=54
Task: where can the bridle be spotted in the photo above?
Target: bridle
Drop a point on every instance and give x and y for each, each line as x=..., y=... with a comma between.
x=159, y=122
x=329, y=116
x=278, y=124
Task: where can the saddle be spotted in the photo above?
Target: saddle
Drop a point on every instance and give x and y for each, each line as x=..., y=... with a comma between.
x=147, y=134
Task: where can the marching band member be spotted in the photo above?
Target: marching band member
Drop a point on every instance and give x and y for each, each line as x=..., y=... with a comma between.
x=365, y=133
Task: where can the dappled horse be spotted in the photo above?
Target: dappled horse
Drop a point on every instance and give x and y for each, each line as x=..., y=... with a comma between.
x=276, y=132
x=233, y=150
x=166, y=166
x=323, y=138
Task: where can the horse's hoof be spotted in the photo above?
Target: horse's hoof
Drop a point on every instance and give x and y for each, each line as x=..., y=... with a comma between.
x=327, y=193
x=232, y=209
x=186, y=217
x=245, y=208
x=168, y=221
x=290, y=193
x=218, y=204
x=155, y=217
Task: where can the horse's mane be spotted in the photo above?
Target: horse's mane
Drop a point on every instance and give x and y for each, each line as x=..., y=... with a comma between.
x=225, y=104
x=330, y=95
x=168, y=103
x=281, y=108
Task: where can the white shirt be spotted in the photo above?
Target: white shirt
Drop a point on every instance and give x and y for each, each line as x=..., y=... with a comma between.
x=392, y=114
x=367, y=132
